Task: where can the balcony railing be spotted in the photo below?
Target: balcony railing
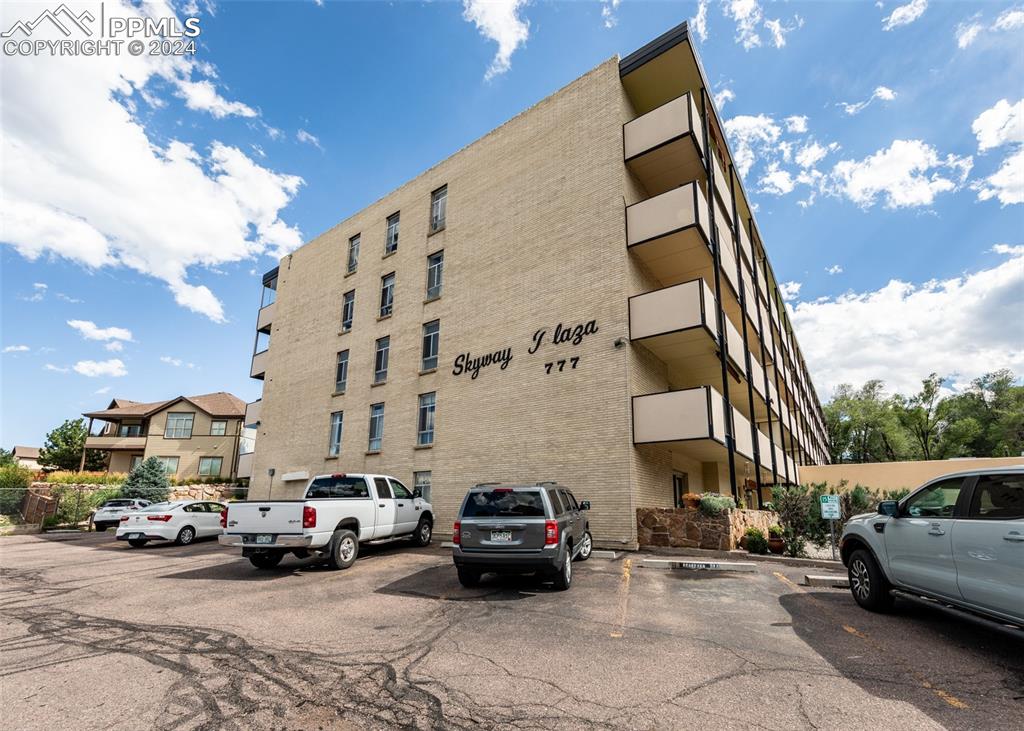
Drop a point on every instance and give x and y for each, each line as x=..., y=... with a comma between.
x=252, y=413
x=115, y=442
x=245, y=464
x=665, y=147
x=679, y=416
x=259, y=365
x=266, y=317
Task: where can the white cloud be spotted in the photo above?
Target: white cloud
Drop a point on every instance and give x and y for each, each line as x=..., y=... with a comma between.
x=69, y=299
x=811, y=154
x=790, y=290
x=90, y=331
x=776, y=181
x=881, y=92
x=101, y=391
x=56, y=369
x=202, y=96
x=723, y=97
x=176, y=362
x=1007, y=183
x=114, y=346
x=1011, y=19
x=779, y=30
x=17, y=349
x=748, y=15
x=499, y=21
x=908, y=173
x=1000, y=125
x=308, y=138
x=905, y=14
x=893, y=332
x=834, y=269
x=59, y=172
x=967, y=32
x=38, y=293
x=699, y=22
x=748, y=133
x=796, y=124
x=93, y=368
x=608, y=8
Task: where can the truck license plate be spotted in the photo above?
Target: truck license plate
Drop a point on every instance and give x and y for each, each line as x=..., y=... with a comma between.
x=264, y=538
x=501, y=536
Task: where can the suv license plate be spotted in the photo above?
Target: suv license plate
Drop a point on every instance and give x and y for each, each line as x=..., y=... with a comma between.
x=501, y=536
x=265, y=538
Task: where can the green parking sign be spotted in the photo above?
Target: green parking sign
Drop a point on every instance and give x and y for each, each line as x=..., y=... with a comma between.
x=830, y=507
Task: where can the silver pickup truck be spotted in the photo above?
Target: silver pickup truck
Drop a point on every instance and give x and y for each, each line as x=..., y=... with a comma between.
x=337, y=513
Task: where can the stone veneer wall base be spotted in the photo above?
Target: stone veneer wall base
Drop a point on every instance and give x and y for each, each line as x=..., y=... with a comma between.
x=691, y=528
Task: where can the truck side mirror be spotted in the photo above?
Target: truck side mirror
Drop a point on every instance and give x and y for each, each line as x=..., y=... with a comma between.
x=417, y=492
x=584, y=505
x=890, y=508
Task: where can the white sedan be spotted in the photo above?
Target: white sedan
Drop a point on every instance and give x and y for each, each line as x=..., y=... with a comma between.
x=181, y=521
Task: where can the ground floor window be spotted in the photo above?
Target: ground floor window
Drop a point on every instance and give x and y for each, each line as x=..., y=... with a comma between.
x=680, y=486
x=136, y=461
x=170, y=464
x=210, y=466
x=422, y=483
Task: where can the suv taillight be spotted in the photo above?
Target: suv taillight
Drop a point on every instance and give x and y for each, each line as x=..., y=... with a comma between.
x=224, y=518
x=308, y=516
x=550, y=532
x=457, y=533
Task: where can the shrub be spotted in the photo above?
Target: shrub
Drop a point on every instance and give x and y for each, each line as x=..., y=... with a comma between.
x=147, y=481
x=775, y=531
x=85, y=478
x=756, y=542
x=713, y=503
x=14, y=483
x=795, y=505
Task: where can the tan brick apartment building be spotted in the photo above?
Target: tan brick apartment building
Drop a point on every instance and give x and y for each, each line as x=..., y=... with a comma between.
x=581, y=295
x=194, y=436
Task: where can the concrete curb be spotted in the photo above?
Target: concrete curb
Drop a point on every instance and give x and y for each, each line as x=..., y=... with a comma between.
x=447, y=544
x=696, y=564
x=822, y=563
x=601, y=553
x=837, y=582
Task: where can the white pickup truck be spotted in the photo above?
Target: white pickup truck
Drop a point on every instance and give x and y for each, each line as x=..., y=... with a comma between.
x=338, y=512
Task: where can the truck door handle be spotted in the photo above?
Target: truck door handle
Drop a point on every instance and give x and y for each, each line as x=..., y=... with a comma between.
x=1014, y=536
x=380, y=505
x=401, y=505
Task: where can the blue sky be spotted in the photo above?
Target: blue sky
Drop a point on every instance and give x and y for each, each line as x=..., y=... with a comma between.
x=142, y=200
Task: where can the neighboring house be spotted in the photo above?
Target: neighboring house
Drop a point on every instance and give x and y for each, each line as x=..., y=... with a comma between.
x=27, y=457
x=193, y=436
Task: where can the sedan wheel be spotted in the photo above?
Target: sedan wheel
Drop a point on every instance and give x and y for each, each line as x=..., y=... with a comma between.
x=186, y=535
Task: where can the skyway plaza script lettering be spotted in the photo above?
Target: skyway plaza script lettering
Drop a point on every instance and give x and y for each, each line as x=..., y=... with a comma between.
x=466, y=363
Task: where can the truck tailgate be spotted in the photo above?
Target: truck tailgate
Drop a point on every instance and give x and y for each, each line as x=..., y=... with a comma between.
x=265, y=517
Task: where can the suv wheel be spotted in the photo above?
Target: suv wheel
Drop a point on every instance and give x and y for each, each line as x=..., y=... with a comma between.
x=421, y=537
x=563, y=579
x=468, y=577
x=868, y=585
x=586, y=547
x=344, y=549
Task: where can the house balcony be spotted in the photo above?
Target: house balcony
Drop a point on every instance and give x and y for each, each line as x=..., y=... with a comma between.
x=245, y=464
x=112, y=443
x=252, y=413
x=259, y=365
x=665, y=147
x=265, y=317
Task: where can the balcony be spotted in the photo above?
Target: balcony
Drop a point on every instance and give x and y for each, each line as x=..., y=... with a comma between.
x=245, y=464
x=252, y=413
x=723, y=187
x=259, y=365
x=265, y=318
x=665, y=147
x=112, y=443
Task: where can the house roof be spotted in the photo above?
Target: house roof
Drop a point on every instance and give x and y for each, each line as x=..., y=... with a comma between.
x=219, y=403
x=26, y=452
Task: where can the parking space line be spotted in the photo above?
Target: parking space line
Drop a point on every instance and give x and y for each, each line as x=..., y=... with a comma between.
x=627, y=571
x=949, y=698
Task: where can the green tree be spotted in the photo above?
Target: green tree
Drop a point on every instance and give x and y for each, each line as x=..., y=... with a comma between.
x=147, y=481
x=6, y=457
x=863, y=426
x=63, y=448
x=14, y=482
x=920, y=415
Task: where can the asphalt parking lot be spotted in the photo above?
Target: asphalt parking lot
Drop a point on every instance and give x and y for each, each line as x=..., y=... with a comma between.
x=98, y=635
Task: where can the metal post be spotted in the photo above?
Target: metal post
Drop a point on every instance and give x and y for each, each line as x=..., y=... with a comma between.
x=88, y=432
x=832, y=536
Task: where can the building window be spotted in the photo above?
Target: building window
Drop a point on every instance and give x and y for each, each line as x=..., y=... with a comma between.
x=262, y=343
x=391, y=241
x=435, y=274
x=210, y=466
x=341, y=374
x=431, y=338
x=438, y=207
x=380, y=360
x=421, y=482
x=179, y=426
x=348, y=310
x=136, y=461
x=170, y=464
x=218, y=428
x=130, y=430
x=353, y=253
x=387, y=294
x=337, y=422
x=376, y=427
x=425, y=425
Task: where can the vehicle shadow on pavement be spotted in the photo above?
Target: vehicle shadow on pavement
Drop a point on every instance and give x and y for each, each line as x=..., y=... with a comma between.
x=442, y=583
x=958, y=673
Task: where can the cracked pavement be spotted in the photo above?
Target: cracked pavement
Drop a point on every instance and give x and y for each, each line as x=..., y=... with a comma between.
x=94, y=634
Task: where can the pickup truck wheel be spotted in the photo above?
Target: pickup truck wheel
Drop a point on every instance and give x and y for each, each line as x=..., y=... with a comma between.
x=586, y=547
x=100, y=527
x=423, y=533
x=344, y=549
x=137, y=542
x=468, y=577
x=563, y=579
x=868, y=584
x=266, y=560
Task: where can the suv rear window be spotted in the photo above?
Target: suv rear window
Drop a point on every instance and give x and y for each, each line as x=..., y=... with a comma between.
x=327, y=487
x=504, y=503
x=117, y=504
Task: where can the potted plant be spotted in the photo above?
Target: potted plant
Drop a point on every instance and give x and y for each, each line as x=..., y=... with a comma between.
x=776, y=544
x=754, y=541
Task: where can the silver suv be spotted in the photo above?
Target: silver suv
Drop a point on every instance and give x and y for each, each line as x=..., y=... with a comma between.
x=958, y=540
x=539, y=528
